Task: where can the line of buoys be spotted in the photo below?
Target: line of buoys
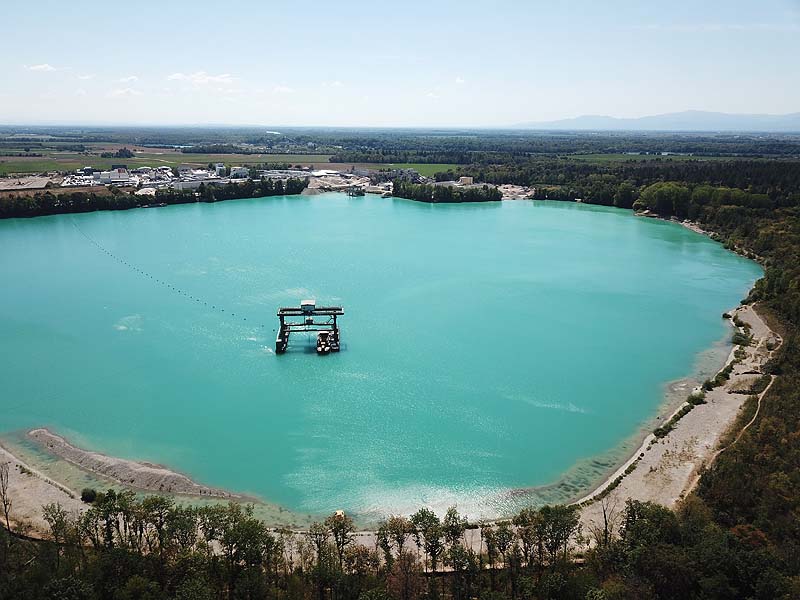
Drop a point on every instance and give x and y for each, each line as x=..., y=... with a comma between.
x=146, y=274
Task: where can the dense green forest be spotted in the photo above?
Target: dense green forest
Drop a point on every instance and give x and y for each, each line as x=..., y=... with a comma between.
x=408, y=145
x=489, y=148
x=48, y=203
x=121, y=153
x=618, y=183
x=217, y=149
x=444, y=193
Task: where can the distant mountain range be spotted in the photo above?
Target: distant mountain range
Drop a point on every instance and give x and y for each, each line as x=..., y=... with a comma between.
x=689, y=120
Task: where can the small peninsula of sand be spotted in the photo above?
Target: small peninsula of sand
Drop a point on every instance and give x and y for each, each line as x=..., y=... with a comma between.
x=135, y=474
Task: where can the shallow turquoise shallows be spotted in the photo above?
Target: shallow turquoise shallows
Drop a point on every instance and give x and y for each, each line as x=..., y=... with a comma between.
x=487, y=348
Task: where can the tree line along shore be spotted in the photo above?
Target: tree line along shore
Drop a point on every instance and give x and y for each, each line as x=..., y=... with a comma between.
x=72, y=202
x=733, y=182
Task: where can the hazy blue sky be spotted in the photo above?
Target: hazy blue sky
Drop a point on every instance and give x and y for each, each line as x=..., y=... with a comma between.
x=393, y=63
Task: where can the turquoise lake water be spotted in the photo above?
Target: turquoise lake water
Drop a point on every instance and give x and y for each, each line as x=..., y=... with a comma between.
x=486, y=348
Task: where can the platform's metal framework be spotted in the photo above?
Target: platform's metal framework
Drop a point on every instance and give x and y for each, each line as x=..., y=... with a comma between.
x=311, y=318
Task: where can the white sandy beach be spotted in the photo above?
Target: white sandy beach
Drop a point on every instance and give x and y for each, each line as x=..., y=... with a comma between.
x=669, y=468
x=30, y=490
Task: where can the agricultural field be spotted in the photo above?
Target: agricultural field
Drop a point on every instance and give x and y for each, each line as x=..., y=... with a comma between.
x=151, y=157
x=154, y=157
x=424, y=169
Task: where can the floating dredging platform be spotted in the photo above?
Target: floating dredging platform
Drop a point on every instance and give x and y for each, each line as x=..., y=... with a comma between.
x=306, y=318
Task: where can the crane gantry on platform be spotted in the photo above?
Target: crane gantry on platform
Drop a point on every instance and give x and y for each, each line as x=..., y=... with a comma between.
x=310, y=317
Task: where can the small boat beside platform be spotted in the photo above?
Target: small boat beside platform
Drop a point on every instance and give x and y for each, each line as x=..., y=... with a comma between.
x=323, y=346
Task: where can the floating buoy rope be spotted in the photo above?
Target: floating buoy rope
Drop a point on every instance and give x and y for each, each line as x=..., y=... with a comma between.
x=144, y=273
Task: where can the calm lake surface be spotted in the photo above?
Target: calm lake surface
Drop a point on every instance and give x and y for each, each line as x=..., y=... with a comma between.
x=486, y=348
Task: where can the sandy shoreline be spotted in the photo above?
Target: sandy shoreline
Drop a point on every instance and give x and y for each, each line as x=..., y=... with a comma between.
x=667, y=469
x=30, y=489
x=139, y=475
x=45, y=468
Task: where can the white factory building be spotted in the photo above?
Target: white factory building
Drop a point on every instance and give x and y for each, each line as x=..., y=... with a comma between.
x=113, y=177
x=239, y=172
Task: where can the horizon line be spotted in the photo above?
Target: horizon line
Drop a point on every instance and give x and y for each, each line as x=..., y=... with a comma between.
x=531, y=125
x=517, y=127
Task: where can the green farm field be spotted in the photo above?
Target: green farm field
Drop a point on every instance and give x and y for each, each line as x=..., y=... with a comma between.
x=424, y=169
x=69, y=161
